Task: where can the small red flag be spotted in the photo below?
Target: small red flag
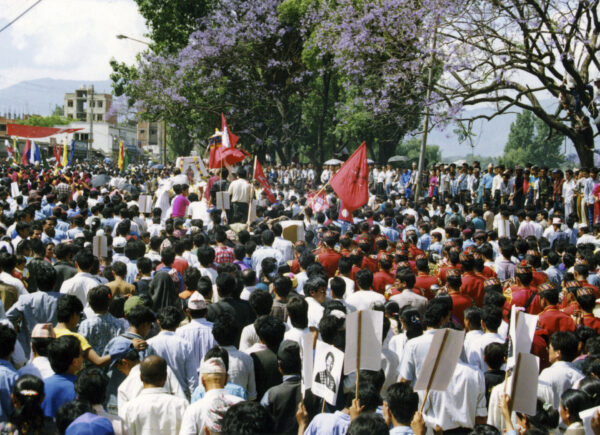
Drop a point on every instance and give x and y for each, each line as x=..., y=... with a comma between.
x=229, y=139
x=317, y=202
x=25, y=156
x=259, y=176
x=351, y=182
x=224, y=152
x=345, y=214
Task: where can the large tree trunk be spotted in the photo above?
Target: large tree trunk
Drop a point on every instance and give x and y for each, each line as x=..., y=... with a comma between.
x=585, y=154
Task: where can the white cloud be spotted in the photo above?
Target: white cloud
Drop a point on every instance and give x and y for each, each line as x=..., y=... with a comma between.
x=67, y=39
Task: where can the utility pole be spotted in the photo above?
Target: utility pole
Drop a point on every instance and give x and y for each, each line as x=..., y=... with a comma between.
x=425, y=122
x=91, y=135
x=163, y=134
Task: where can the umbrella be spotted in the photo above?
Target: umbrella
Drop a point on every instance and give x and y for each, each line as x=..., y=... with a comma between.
x=128, y=187
x=460, y=162
x=332, y=162
x=395, y=159
x=100, y=180
x=158, y=166
x=370, y=162
x=107, y=160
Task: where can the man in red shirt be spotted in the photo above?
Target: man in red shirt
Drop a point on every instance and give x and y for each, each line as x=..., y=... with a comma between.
x=522, y=294
x=328, y=257
x=534, y=259
x=587, y=302
x=384, y=277
x=368, y=262
x=551, y=318
x=424, y=280
x=581, y=271
x=453, y=263
x=472, y=284
x=460, y=300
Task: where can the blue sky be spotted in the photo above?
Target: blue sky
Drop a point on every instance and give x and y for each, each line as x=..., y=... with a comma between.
x=67, y=39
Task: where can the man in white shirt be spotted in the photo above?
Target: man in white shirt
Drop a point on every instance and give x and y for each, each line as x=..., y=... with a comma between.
x=83, y=281
x=282, y=245
x=315, y=290
x=568, y=192
x=266, y=251
x=154, y=411
x=491, y=318
x=364, y=297
x=562, y=374
x=7, y=264
x=241, y=193
x=175, y=350
x=207, y=412
x=198, y=332
x=226, y=331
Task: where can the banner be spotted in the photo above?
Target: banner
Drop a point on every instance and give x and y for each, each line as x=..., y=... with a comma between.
x=259, y=175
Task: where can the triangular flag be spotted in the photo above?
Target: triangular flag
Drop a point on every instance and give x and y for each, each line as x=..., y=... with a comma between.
x=351, y=182
x=259, y=176
x=24, y=158
x=229, y=139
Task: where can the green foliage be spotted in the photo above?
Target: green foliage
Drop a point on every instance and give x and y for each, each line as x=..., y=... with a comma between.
x=531, y=141
x=171, y=21
x=45, y=121
x=58, y=110
x=412, y=147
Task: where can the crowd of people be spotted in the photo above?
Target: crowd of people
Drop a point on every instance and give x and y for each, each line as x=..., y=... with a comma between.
x=185, y=318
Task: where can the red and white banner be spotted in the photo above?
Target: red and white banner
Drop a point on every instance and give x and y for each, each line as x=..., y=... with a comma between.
x=259, y=175
x=318, y=202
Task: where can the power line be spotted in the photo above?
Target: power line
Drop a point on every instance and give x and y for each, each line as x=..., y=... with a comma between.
x=20, y=15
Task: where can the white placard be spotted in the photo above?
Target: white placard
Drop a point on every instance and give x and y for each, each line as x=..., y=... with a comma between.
x=586, y=417
x=369, y=337
x=222, y=200
x=521, y=332
x=99, y=246
x=252, y=211
x=306, y=356
x=327, y=372
x=524, y=384
x=440, y=362
x=145, y=203
x=14, y=189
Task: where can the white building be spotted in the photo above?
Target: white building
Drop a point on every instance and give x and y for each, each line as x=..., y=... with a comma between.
x=106, y=137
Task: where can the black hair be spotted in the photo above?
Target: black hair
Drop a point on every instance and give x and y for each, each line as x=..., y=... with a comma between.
x=338, y=286
x=8, y=339
x=28, y=411
x=226, y=329
x=139, y=315
x=575, y=401
x=45, y=275
x=297, y=309
x=412, y=319
x=261, y=302
x=67, y=306
x=90, y=386
x=69, y=412
x=62, y=351
x=247, y=418
x=283, y=286
x=270, y=330
x=591, y=386
x=492, y=317
x=403, y=402
x=565, y=342
x=473, y=315
x=494, y=355
x=368, y=424
x=364, y=279
x=329, y=328
x=99, y=298
x=169, y=317
x=225, y=284
x=435, y=311
x=84, y=259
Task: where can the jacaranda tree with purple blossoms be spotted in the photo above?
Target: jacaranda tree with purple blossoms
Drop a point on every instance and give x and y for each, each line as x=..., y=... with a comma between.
x=511, y=54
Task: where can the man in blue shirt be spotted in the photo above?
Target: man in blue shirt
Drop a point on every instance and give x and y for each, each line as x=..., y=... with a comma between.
x=66, y=359
x=8, y=374
x=487, y=182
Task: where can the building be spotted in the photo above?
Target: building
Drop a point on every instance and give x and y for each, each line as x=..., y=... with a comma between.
x=106, y=137
x=149, y=134
x=84, y=102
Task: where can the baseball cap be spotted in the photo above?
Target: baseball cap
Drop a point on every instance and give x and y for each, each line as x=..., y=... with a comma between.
x=212, y=366
x=43, y=330
x=132, y=301
x=196, y=302
x=119, y=350
x=90, y=424
x=119, y=242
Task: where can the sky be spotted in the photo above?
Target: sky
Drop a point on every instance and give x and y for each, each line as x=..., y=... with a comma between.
x=67, y=39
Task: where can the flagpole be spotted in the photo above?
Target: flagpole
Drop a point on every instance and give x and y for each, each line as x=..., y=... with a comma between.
x=252, y=197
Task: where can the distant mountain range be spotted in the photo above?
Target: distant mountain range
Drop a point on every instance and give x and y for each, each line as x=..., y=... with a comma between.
x=42, y=95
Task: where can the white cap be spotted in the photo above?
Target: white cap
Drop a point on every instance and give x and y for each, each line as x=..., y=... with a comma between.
x=196, y=302
x=119, y=242
x=212, y=366
x=556, y=221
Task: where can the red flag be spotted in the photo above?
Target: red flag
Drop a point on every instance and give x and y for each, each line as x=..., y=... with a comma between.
x=223, y=149
x=259, y=176
x=25, y=156
x=345, y=214
x=351, y=182
x=317, y=202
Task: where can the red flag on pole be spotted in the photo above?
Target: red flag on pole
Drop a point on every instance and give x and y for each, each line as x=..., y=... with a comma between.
x=259, y=176
x=223, y=151
x=345, y=214
x=25, y=157
x=318, y=202
x=351, y=182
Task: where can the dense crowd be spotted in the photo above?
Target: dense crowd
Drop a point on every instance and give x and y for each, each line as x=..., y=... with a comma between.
x=190, y=320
